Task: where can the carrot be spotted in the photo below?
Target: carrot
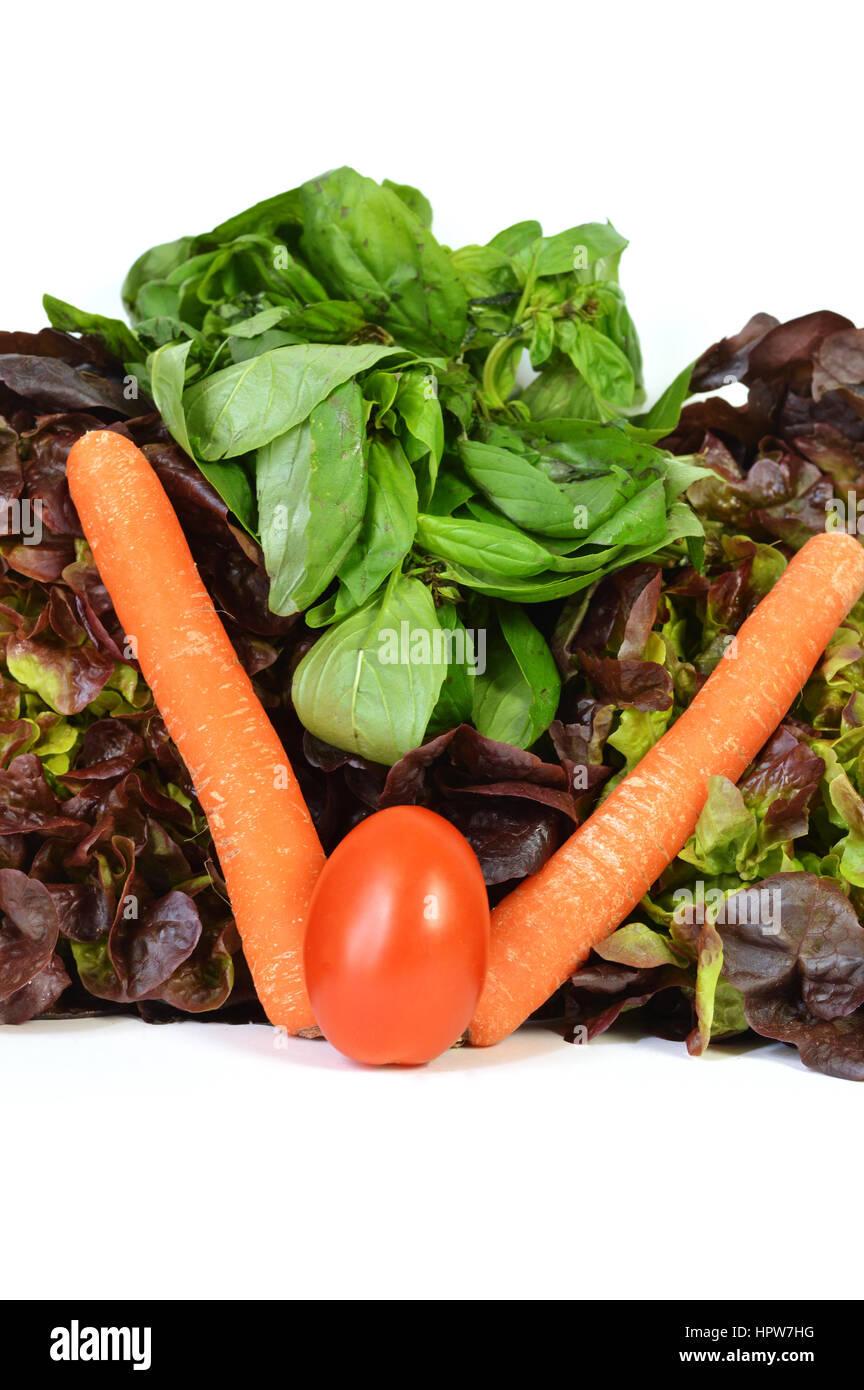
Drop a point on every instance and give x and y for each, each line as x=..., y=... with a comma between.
x=267, y=846
x=547, y=926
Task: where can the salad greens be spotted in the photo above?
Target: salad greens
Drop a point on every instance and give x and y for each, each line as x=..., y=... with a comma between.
x=110, y=895
x=756, y=924
x=350, y=388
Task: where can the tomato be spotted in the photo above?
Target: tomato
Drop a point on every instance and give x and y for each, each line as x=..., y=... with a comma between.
x=397, y=938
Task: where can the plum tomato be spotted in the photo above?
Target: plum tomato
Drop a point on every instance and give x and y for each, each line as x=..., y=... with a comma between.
x=397, y=938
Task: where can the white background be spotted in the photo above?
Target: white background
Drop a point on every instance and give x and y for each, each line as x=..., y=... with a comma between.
x=205, y=1161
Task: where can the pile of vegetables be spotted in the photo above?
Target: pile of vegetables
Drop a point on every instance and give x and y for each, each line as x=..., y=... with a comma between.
x=344, y=424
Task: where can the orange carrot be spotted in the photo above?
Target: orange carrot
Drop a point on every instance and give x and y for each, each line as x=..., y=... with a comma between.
x=267, y=846
x=547, y=926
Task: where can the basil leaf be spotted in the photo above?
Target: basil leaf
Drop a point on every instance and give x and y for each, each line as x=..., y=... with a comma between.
x=456, y=700
x=243, y=349
x=644, y=526
x=234, y=486
x=282, y=211
x=416, y=403
x=334, y=321
x=337, y=605
x=542, y=588
x=251, y=259
x=159, y=331
x=456, y=392
x=311, y=496
x=119, y=340
x=389, y=523
x=247, y=405
x=370, y=684
x=518, y=238
x=157, y=299
x=602, y=364
x=258, y=323
x=167, y=379
x=665, y=413
x=618, y=326
x=484, y=271
x=516, y=698
x=619, y=507
x=366, y=244
x=542, y=339
x=681, y=524
x=151, y=267
x=588, y=448
x=522, y=492
x=462, y=542
x=451, y=491
x=679, y=473
x=561, y=392
x=557, y=550
x=189, y=271
x=413, y=199
x=639, y=520
x=167, y=374
x=379, y=390
x=580, y=248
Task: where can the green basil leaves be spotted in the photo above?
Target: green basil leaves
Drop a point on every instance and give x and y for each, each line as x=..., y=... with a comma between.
x=348, y=386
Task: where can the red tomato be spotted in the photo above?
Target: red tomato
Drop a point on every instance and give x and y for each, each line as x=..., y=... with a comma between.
x=397, y=938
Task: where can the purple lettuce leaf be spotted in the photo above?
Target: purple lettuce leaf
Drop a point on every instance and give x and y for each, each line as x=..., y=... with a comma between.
x=801, y=984
x=729, y=359
x=28, y=930
x=38, y=995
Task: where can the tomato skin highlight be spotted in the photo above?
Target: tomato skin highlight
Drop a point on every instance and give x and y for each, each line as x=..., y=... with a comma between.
x=397, y=938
